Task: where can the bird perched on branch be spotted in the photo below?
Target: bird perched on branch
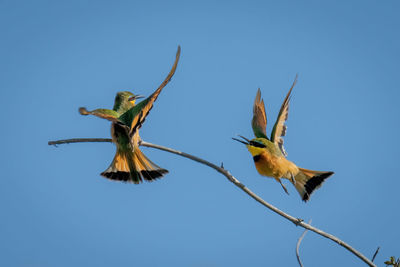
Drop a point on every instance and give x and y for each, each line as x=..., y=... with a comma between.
x=269, y=154
x=130, y=164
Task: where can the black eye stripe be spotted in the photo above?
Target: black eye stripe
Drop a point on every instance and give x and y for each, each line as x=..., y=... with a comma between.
x=257, y=144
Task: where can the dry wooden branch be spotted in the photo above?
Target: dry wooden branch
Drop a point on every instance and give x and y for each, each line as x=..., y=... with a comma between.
x=230, y=177
x=298, y=245
x=376, y=253
x=79, y=140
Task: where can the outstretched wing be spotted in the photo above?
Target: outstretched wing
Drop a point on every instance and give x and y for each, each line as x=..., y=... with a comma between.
x=107, y=114
x=259, y=121
x=135, y=116
x=279, y=129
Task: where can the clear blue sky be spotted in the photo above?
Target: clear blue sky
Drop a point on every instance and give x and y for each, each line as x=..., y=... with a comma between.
x=55, y=56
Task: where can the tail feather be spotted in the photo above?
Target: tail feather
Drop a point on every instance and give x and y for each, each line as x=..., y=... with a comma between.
x=307, y=181
x=134, y=167
x=148, y=169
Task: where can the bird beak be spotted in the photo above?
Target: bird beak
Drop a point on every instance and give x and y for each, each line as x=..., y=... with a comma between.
x=135, y=97
x=241, y=141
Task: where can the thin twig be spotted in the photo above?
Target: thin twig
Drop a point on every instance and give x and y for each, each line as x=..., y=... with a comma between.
x=78, y=140
x=298, y=244
x=376, y=253
x=230, y=177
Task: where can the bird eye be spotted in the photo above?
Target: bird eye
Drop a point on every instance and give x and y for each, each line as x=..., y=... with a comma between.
x=257, y=144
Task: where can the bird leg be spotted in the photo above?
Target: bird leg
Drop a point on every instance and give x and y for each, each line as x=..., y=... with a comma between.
x=284, y=188
x=292, y=179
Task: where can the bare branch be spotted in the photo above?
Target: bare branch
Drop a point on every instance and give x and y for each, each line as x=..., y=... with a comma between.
x=298, y=244
x=78, y=140
x=294, y=220
x=230, y=177
x=376, y=253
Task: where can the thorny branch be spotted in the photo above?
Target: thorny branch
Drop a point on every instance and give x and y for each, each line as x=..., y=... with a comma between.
x=230, y=177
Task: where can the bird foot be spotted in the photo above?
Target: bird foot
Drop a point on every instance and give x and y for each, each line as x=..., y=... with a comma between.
x=292, y=179
x=284, y=188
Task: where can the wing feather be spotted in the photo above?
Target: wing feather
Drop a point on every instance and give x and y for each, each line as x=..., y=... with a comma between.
x=135, y=116
x=259, y=121
x=279, y=129
x=107, y=114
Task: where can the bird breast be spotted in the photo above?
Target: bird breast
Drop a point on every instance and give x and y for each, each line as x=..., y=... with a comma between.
x=274, y=166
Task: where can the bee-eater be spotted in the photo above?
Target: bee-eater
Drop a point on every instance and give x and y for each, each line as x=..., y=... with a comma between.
x=130, y=164
x=269, y=155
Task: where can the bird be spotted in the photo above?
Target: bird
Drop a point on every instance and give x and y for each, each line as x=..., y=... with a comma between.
x=129, y=163
x=269, y=155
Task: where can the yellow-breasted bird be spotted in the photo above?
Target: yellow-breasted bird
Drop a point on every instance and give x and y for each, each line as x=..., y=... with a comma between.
x=130, y=164
x=269, y=155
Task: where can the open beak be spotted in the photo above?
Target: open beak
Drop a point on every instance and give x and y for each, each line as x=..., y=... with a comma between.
x=135, y=97
x=241, y=141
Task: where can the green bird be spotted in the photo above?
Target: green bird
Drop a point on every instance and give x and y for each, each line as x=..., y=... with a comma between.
x=130, y=164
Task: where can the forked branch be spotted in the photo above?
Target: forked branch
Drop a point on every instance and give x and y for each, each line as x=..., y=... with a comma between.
x=296, y=221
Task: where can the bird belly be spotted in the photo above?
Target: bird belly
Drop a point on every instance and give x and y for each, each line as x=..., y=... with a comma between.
x=276, y=167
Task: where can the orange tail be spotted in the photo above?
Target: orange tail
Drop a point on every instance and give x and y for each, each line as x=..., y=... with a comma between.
x=133, y=167
x=307, y=181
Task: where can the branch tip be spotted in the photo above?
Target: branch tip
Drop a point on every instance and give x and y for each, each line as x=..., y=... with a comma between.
x=376, y=253
x=298, y=245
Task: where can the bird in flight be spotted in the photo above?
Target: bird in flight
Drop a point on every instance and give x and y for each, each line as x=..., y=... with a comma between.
x=269, y=154
x=130, y=164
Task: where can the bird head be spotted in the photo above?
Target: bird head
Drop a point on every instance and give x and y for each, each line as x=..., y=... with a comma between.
x=125, y=100
x=255, y=146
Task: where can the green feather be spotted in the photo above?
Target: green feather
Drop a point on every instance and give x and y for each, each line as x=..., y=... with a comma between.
x=122, y=103
x=127, y=117
x=107, y=112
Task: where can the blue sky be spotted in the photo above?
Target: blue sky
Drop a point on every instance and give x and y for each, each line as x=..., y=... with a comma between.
x=55, y=56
